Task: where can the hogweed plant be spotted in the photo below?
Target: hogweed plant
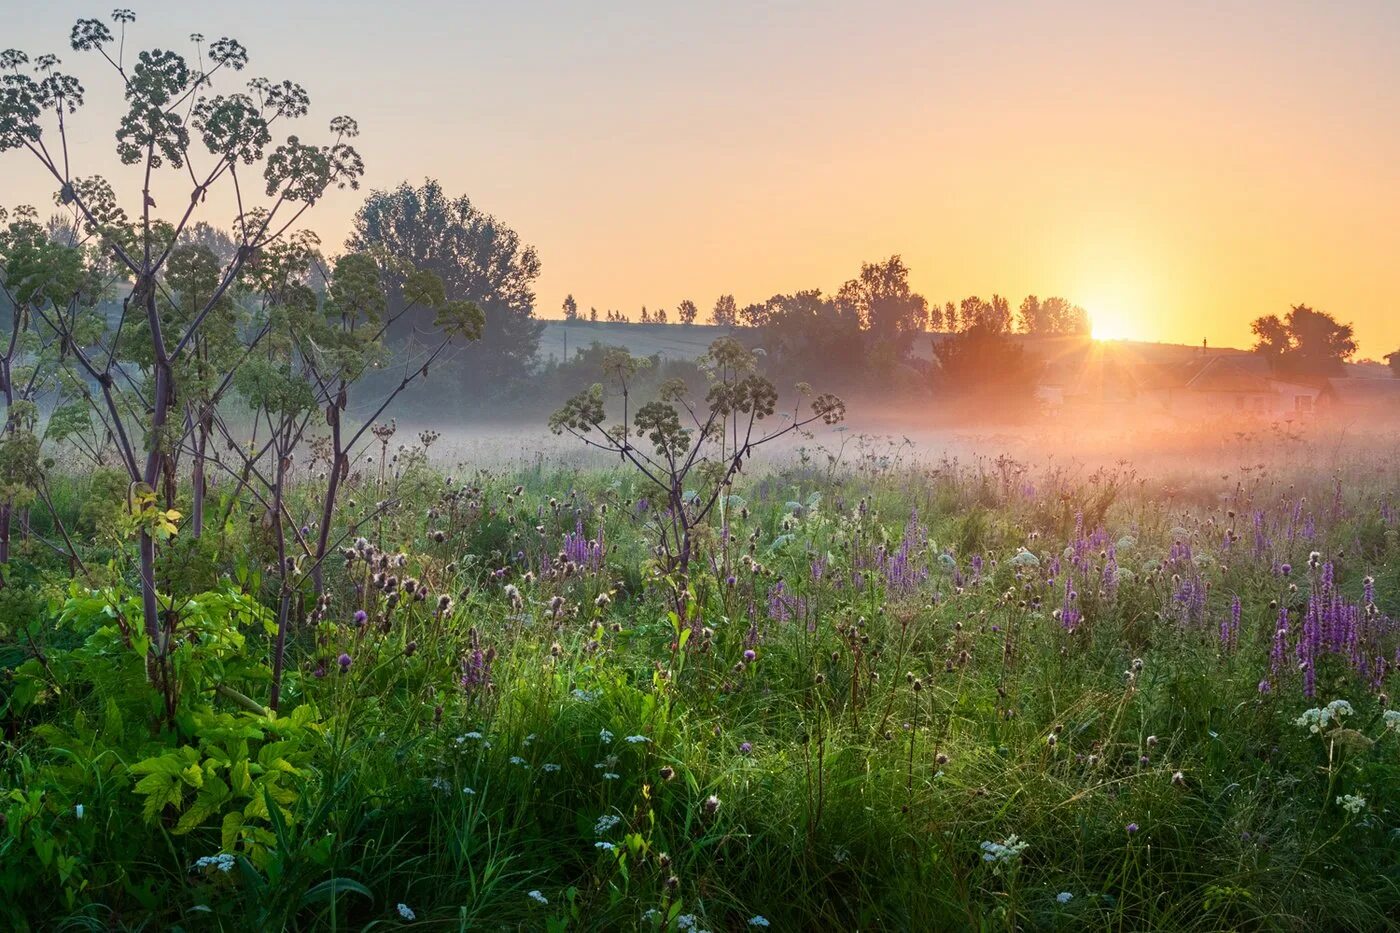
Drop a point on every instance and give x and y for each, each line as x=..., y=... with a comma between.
x=697, y=448
x=175, y=124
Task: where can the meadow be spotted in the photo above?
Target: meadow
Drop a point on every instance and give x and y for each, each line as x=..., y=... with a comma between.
x=892, y=691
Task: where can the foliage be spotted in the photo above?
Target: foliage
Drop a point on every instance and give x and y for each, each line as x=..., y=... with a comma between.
x=478, y=258
x=1304, y=342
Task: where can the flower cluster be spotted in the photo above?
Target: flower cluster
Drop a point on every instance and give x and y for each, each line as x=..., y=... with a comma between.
x=1319, y=718
x=1005, y=853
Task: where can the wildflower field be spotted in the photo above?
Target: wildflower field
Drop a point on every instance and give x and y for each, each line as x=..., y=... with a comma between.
x=699, y=658
x=885, y=694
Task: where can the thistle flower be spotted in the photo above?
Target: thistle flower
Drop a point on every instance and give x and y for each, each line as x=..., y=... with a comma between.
x=711, y=805
x=360, y=617
x=344, y=661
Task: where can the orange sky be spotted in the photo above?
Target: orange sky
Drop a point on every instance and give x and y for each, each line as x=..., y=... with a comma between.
x=1177, y=171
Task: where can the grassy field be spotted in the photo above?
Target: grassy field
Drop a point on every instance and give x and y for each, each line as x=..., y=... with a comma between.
x=891, y=696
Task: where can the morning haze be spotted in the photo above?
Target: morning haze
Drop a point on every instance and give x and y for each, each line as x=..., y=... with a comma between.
x=699, y=468
x=1176, y=172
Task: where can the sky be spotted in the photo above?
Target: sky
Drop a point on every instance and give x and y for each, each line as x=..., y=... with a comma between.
x=1177, y=169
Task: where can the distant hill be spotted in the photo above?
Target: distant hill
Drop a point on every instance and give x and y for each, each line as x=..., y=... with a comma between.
x=686, y=342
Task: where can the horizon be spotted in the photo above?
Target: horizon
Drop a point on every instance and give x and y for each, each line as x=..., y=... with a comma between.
x=1183, y=177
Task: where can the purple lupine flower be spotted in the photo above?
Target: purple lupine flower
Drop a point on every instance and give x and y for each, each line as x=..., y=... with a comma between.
x=779, y=606
x=476, y=666
x=1109, y=580
x=1069, y=608
x=1230, y=627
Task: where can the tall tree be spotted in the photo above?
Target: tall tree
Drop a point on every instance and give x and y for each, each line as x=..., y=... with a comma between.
x=570, y=308
x=478, y=258
x=890, y=311
x=1052, y=316
x=1394, y=360
x=1305, y=342
x=984, y=362
x=726, y=312
x=687, y=312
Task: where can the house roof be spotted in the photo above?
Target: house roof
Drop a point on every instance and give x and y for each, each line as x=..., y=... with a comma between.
x=1365, y=391
x=1232, y=374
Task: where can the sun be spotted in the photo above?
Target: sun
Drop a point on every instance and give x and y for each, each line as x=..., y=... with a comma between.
x=1106, y=325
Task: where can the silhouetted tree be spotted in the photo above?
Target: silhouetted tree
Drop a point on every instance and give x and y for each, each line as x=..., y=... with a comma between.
x=994, y=315
x=570, y=308
x=1052, y=316
x=888, y=309
x=983, y=361
x=1305, y=342
x=1394, y=360
x=478, y=259
x=726, y=312
x=806, y=331
x=687, y=312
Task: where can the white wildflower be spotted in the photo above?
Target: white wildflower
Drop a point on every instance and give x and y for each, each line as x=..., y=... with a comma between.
x=1319, y=718
x=1352, y=803
x=223, y=862
x=605, y=736
x=537, y=897
x=1064, y=897
x=407, y=912
x=999, y=854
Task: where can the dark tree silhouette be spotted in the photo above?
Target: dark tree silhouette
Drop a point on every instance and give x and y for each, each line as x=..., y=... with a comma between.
x=726, y=312
x=887, y=308
x=1305, y=342
x=477, y=257
x=982, y=361
x=1052, y=316
x=687, y=312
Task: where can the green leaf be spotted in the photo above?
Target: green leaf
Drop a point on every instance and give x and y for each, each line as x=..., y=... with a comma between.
x=330, y=889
